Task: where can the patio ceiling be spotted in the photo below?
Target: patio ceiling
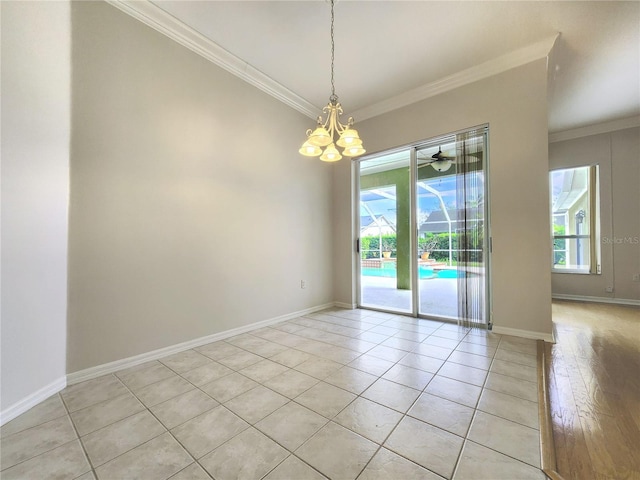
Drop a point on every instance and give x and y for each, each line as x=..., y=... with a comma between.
x=382, y=200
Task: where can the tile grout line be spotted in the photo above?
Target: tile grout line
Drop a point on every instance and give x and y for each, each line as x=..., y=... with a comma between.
x=129, y=416
x=475, y=412
x=35, y=425
x=404, y=415
x=379, y=445
x=389, y=336
x=167, y=430
x=84, y=450
x=342, y=365
x=43, y=453
x=232, y=412
x=465, y=437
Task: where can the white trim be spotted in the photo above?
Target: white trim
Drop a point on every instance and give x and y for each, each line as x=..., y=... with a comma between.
x=516, y=332
x=153, y=16
x=105, y=368
x=350, y=306
x=158, y=19
x=32, y=400
x=606, y=127
x=487, y=69
x=583, y=298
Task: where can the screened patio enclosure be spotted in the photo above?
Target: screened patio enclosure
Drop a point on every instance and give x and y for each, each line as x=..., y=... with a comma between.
x=382, y=279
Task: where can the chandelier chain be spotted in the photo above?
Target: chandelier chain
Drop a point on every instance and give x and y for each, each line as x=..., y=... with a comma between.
x=331, y=133
x=333, y=86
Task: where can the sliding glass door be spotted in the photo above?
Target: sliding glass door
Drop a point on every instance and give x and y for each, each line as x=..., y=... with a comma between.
x=436, y=226
x=422, y=229
x=385, y=234
x=451, y=214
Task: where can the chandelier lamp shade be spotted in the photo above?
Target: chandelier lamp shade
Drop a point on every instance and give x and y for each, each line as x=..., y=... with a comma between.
x=330, y=133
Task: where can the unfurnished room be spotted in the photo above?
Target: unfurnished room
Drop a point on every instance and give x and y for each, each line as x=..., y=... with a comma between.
x=326, y=239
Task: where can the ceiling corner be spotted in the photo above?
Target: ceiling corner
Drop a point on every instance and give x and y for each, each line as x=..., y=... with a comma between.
x=156, y=18
x=489, y=68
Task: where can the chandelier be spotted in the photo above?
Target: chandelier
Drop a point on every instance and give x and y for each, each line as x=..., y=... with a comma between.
x=324, y=136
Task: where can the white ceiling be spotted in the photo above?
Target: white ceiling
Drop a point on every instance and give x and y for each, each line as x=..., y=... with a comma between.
x=387, y=48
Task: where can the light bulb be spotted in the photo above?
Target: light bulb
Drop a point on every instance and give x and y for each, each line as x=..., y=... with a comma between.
x=331, y=154
x=309, y=150
x=348, y=138
x=354, y=151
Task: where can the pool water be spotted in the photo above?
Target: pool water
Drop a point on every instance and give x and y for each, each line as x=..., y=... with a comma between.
x=423, y=272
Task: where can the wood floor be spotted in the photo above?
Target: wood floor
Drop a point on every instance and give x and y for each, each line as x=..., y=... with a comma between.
x=594, y=390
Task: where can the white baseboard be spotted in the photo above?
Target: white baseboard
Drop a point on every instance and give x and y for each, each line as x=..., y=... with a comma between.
x=582, y=298
x=350, y=306
x=516, y=332
x=32, y=400
x=99, y=370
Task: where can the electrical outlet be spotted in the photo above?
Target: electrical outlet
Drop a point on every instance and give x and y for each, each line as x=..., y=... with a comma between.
x=636, y=277
x=303, y=284
x=609, y=289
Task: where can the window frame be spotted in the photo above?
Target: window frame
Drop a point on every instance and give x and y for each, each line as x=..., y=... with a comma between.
x=593, y=236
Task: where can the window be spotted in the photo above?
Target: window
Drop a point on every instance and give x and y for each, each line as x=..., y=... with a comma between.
x=575, y=220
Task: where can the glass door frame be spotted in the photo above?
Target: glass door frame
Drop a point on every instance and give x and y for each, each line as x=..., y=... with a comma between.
x=412, y=311
x=413, y=218
x=430, y=143
x=412, y=149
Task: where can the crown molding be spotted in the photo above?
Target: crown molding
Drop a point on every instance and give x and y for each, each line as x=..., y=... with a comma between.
x=153, y=16
x=605, y=127
x=489, y=68
x=156, y=18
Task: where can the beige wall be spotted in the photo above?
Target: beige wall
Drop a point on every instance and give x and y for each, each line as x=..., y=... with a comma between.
x=618, y=156
x=35, y=193
x=514, y=105
x=191, y=210
x=344, y=258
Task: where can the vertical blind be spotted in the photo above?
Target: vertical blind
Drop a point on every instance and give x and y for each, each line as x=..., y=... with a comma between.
x=471, y=261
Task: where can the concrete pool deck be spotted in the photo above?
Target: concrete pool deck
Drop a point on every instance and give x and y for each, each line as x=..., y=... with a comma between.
x=437, y=296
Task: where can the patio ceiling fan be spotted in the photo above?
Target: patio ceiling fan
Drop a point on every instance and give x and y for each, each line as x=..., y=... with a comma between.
x=442, y=162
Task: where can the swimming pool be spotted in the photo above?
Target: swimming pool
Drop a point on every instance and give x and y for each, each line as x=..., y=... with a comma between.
x=389, y=271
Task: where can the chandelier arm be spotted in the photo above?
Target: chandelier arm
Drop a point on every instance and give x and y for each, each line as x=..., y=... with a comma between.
x=333, y=123
x=325, y=123
x=327, y=111
x=339, y=126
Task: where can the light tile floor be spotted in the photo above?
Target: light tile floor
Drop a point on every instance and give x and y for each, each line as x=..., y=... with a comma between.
x=339, y=394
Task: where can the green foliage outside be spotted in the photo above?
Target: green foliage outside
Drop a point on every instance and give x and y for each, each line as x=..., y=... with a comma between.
x=436, y=244
x=559, y=246
x=370, y=246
